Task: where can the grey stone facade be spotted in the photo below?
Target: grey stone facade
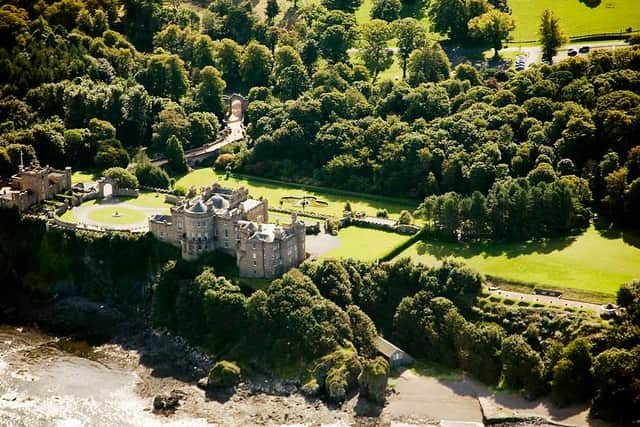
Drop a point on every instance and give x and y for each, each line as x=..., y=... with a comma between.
x=229, y=221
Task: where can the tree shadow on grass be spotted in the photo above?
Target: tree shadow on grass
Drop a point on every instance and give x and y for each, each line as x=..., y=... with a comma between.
x=492, y=249
x=610, y=231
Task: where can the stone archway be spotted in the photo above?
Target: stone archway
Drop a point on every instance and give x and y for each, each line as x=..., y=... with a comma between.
x=107, y=190
x=107, y=187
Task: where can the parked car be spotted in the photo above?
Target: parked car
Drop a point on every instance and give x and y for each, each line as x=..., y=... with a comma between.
x=519, y=67
x=572, y=52
x=584, y=49
x=546, y=62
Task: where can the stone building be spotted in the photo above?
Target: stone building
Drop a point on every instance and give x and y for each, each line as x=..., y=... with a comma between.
x=229, y=221
x=33, y=185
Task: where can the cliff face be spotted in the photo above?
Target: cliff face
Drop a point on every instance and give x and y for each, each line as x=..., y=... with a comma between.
x=114, y=267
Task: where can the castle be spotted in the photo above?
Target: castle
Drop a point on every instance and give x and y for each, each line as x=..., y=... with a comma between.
x=229, y=221
x=33, y=185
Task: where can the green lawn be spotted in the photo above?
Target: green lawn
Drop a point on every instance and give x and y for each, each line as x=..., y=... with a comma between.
x=84, y=176
x=364, y=244
x=69, y=217
x=147, y=200
x=273, y=191
x=128, y=216
x=590, y=261
x=576, y=18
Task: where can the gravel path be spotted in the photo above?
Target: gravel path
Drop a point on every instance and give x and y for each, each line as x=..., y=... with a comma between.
x=557, y=301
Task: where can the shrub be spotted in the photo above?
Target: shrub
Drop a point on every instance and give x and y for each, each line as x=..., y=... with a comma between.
x=223, y=161
x=337, y=373
x=405, y=217
x=224, y=374
x=121, y=177
x=150, y=175
x=373, y=379
x=382, y=213
x=347, y=207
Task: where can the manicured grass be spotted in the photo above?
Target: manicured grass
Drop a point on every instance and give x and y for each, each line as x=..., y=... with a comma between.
x=128, y=216
x=575, y=18
x=286, y=218
x=84, y=176
x=69, y=217
x=364, y=243
x=590, y=262
x=273, y=191
x=147, y=200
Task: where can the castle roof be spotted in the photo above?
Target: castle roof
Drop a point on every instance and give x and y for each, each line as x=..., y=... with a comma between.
x=198, y=207
x=219, y=202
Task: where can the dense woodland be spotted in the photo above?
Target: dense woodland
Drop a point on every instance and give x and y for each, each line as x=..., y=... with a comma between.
x=489, y=153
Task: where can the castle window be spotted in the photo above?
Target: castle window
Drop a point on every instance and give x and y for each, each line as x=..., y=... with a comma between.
x=226, y=244
x=226, y=233
x=253, y=246
x=254, y=256
x=254, y=263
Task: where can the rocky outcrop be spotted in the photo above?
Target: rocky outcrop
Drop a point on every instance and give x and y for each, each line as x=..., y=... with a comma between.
x=168, y=403
x=373, y=380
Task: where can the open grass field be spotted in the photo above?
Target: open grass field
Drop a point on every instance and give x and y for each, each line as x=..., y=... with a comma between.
x=576, y=18
x=591, y=261
x=273, y=191
x=127, y=215
x=364, y=244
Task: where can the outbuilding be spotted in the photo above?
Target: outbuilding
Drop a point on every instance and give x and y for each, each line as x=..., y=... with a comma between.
x=395, y=356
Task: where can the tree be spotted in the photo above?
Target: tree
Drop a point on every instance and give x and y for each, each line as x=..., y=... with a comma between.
x=572, y=382
x=364, y=331
x=551, y=34
x=292, y=82
x=349, y=6
x=256, y=64
x=271, y=10
x=429, y=64
x=493, y=26
x=228, y=57
x=522, y=367
x=615, y=374
x=175, y=155
x=387, y=10
x=166, y=76
x=374, y=52
x=452, y=16
x=121, y=177
x=336, y=35
x=411, y=36
x=148, y=174
x=208, y=93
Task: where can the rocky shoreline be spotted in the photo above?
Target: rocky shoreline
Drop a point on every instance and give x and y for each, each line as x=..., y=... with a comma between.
x=167, y=367
x=65, y=344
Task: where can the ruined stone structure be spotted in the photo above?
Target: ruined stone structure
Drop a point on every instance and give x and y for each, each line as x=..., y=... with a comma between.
x=229, y=221
x=33, y=185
